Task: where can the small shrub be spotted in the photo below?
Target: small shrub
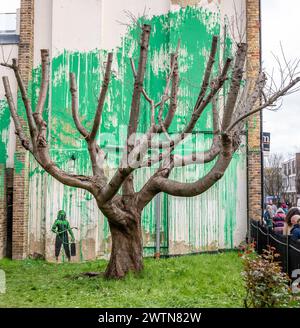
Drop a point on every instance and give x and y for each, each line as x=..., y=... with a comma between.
x=267, y=286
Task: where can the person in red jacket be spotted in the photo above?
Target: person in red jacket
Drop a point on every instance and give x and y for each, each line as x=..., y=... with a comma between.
x=279, y=221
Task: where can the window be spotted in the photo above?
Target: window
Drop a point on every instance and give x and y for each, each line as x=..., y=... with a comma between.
x=285, y=169
x=8, y=23
x=294, y=167
x=289, y=168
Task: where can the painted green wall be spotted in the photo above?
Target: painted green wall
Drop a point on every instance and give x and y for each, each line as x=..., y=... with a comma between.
x=207, y=221
x=4, y=132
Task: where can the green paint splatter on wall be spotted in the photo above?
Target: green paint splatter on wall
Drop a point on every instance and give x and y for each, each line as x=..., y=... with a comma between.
x=4, y=130
x=195, y=28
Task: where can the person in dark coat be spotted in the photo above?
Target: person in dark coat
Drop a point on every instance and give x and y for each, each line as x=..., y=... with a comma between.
x=268, y=217
x=295, y=232
x=288, y=226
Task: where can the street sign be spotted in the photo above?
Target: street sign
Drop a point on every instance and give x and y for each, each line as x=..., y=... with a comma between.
x=266, y=141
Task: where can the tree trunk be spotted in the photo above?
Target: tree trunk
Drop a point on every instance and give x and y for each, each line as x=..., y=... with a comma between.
x=127, y=250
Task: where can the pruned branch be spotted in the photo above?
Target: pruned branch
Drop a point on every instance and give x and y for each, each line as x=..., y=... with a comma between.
x=72, y=180
x=146, y=96
x=103, y=92
x=190, y=159
x=170, y=145
x=166, y=91
x=215, y=114
x=122, y=174
x=26, y=101
x=45, y=81
x=138, y=82
x=197, y=157
x=13, y=111
x=235, y=85
x=216, y=85
x=38, y=145
x=160, y=182
x=174, y=92
x=182, y=189
x=208, y=71
x=97, y=155
x=75, y=113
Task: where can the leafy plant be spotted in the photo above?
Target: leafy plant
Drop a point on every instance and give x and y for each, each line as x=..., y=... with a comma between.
x=267, y=286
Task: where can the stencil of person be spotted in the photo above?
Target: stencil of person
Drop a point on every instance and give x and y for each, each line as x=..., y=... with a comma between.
x=61, y=228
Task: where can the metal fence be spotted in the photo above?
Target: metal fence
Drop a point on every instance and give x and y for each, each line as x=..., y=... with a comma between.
x=288, y=249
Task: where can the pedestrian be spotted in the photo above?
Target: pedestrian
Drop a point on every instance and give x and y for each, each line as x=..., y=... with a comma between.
x=268, y=217
x=288, y=225
x=284, y=207
x=295, y=232
x=274, y=207
x=62, y=228
x=278, y=221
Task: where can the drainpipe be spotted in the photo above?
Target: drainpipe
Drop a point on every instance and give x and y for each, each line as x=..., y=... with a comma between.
x=157, y=225
x=261, y=121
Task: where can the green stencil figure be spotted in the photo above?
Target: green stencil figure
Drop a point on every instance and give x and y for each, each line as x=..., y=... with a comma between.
x=62, y=227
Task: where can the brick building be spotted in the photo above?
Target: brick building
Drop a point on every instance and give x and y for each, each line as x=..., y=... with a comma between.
x=78, y=34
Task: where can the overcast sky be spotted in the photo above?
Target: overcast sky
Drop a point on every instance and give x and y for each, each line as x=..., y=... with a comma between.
x=280, y=22
x=9, y=6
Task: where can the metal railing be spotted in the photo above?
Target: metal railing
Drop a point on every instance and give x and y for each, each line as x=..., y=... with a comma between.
x=287, y=248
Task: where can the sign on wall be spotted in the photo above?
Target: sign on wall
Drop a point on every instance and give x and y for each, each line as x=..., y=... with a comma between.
x=266, y=141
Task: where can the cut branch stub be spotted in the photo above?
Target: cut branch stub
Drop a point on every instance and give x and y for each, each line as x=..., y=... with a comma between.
x=13, y=111
x=208, y=71
x=105, y=83
x=75, y=114
x=26, y=101
x=139, y=80
x=235, y=85
x=45, y=81
x=135, y=104
x=174, y=92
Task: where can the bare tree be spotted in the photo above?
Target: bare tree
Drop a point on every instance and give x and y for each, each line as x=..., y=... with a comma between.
x=117, y=198
x=276, y=182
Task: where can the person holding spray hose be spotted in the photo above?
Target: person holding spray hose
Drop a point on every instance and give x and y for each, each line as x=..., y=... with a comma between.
x=62, y=227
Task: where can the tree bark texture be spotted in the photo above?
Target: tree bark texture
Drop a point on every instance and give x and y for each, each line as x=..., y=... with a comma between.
x=127, y=250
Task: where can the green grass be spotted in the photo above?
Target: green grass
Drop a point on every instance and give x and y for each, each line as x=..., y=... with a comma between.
x=207, y=280
x=191, y=281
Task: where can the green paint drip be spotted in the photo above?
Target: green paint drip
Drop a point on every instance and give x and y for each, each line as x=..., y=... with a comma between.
x=195, y=28
x=4, y=130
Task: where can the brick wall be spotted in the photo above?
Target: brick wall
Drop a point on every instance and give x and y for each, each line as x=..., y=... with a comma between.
x=2, y=212
x=21, y=183
x=254, y=128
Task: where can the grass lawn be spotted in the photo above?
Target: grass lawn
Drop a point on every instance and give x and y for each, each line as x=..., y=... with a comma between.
x=189, y=281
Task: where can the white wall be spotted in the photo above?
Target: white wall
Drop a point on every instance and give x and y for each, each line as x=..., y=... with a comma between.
x=76, y=25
